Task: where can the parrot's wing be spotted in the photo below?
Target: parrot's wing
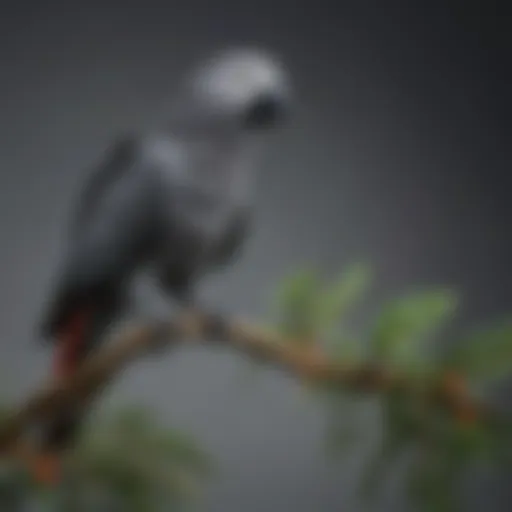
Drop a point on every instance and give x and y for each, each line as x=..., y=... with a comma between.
x=118, y=159
x=236, y=233
x=113, y=231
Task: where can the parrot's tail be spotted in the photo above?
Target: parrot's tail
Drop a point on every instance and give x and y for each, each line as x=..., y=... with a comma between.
x=70, y=350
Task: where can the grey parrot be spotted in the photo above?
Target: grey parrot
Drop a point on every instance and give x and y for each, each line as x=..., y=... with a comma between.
x=176, y=199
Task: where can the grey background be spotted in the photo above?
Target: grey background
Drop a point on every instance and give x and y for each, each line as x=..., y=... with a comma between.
x=398, y=154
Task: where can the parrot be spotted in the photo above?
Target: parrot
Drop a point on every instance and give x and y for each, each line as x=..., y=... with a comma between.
x=176, y=199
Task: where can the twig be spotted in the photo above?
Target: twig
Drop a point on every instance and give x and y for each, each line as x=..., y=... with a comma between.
x=307, y=362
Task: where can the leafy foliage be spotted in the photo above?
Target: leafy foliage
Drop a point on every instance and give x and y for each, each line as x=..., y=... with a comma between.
x=415, y=427
x=485, y=355
x=138, y=463
x=406, y=324
x=343, y=436
x=297, y=300
x=309, y=309
x=130, y=462
x=125, y=461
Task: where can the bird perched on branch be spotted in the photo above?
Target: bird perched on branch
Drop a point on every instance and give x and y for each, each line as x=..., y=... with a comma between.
x=177, y=199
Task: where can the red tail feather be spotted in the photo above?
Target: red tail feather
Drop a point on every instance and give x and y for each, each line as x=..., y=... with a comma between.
x=70, y=345
x=69, y=352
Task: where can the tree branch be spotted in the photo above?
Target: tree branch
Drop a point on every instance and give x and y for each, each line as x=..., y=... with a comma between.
x=307, y=362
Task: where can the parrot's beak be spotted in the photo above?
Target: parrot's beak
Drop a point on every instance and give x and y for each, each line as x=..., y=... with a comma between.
x=267, y=111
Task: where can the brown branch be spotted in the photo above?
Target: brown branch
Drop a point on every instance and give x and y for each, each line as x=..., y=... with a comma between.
x=305, y=361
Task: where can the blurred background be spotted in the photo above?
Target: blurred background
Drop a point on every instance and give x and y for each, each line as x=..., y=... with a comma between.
x=398, y=154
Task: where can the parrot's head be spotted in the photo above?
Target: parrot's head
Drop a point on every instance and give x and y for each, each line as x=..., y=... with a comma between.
x=243, y=89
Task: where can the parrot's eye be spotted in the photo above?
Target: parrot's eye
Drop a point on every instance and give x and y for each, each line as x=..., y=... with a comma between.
x=264, y=112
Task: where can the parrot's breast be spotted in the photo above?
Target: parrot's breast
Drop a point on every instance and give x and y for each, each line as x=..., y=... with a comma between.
x=202, y=190
x=200, y=215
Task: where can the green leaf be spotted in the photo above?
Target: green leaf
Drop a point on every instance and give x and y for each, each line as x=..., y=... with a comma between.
x=399, y=432
x=297, y=299
x=485, y=354
x=406, y=323
x=309, y=309
x=343, y=294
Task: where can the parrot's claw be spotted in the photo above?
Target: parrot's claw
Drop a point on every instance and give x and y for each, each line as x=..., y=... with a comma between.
x=160, y=336
x=214, y=324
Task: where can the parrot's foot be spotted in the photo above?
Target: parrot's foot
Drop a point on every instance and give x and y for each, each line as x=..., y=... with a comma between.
x=213, y=324
x=216, y=326
x=47, y=468
x=161, y=334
